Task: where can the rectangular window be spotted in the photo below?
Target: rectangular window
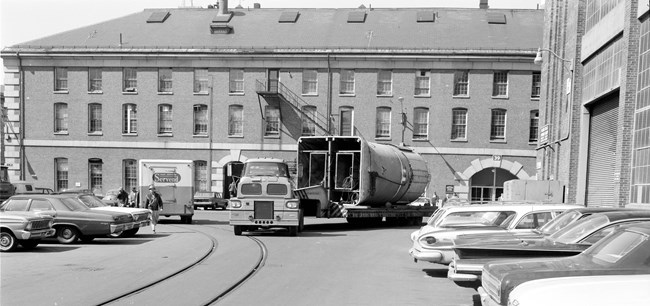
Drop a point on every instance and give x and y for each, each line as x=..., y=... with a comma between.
x=94, y=79
x=60, y=118
x=498, y=128
x=347, y=82
x=95, y=169
x=384, y=83
x=237, y=81
x=164, y=119
x=534, y=124
x=60, y=79
x=130, y=119
x=422, y=83
x=382, y=129
x=461, y=83
x=420, y=123
x=94, y=118
x=537, y=85
x=236, y=120
x=130, y=174
x=201, y=80
x=130, y=80
x=201, y=180
x=272, y=121
x=309, y=82
x=459, y=124
x=61, y=179
x=347, y=121
x=308, y=117
x=200, y=119
x=165, y=80
x=500, y=84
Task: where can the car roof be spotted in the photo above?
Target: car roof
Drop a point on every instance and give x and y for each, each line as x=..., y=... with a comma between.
x=515, y=207
x=40, y=196
x=625, y=213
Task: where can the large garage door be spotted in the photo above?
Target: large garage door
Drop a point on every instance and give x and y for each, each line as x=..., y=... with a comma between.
x=602, y=153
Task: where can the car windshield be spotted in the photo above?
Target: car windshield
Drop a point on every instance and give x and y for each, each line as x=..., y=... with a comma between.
x=573, y=232
x=91, y=201
x=559, y=222
x=74, y=204
x=485, y=218
x=614, y=247
x=266, y=169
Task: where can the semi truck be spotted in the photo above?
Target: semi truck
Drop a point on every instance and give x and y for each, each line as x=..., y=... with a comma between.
x=336, y=177
x=174, y=181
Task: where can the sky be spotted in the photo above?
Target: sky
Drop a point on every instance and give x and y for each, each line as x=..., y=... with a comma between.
x=25, y=20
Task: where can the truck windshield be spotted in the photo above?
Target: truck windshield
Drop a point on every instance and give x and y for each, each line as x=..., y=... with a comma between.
x=266, y=169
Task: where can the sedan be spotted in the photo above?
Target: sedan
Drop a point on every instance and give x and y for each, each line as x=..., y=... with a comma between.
x=72, y=219
x=571, y=240
x=24, y=228
x=625, y=252
x=141, y=216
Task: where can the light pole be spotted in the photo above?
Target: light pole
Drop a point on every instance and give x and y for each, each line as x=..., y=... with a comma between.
x=402, y=118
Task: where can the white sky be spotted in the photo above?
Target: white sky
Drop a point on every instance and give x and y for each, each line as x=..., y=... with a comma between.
x=25, y=20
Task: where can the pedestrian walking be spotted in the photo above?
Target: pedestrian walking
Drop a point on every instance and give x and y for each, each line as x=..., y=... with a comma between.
x=233, y=188
x=155, y=204
x=122, y=197
x=134, y=197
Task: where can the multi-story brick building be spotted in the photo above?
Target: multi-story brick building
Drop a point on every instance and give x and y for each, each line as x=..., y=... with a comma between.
x=221, y=85
x=596, y=101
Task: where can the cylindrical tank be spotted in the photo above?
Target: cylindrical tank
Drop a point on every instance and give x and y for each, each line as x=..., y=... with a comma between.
x=390, y=174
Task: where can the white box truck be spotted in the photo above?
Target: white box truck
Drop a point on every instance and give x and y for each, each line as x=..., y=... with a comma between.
x=174, y=180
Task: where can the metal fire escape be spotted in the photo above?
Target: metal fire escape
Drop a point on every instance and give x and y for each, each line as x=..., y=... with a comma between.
x=276, y=91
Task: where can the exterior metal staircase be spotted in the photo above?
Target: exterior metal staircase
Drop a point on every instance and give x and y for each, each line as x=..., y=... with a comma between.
x=277, y=91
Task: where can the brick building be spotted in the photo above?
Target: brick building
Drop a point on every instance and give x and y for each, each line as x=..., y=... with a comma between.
x=221, y=85
x=596, y=101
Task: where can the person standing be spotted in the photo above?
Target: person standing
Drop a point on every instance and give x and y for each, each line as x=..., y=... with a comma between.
x=122, y=197
x=134, y=197
x=154, y=203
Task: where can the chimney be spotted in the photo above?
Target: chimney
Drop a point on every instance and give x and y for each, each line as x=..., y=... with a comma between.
x=223, y=7
x=256, y=6
x=484, y=4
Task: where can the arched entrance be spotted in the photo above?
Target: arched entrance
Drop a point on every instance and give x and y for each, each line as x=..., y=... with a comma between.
x=487, y=184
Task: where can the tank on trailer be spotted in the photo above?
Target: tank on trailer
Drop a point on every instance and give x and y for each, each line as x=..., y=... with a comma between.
x=354, y=171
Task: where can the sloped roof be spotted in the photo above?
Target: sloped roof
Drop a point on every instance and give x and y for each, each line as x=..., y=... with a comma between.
x=383, y=29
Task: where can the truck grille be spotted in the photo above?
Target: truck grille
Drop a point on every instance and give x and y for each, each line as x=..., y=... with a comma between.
x=263, y=209
x=40, y=224
x=491, y=285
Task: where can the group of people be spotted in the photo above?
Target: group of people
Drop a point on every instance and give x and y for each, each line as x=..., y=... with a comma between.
x=153, y=201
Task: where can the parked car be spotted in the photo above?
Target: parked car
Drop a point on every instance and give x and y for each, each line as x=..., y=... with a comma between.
x=110, y=198
x=571, y=240
x=208, y=199
x=436, y=246
x=421, y=201
x=625, y=252
x=141, y=216
x=23, y=228
x=72, y=219
x=24, y=187
x=607, y=290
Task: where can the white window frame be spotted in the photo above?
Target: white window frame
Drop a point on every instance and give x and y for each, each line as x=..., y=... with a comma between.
x=236, y=120
x=384, y=83
x=383, y=123
x=461, y=83
x=236, y=81
x=130, y=80
x=310, y=82
x=61, y=118
x=422, y=77
x=347, y=84
x=418, y=125
x=200, y=120
x=165, y=119
x=129, y=119
x=308, y=126
x=457, y=122
x=61, y=79
x=94, y=80
x=94, y=118
x=272, y=121
x=500, y=84
x=201, y=81
x=165, y=80
x=495, y=130
x=345, y=109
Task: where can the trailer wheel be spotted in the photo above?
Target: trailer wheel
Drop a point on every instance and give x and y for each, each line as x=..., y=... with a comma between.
x=238, y=230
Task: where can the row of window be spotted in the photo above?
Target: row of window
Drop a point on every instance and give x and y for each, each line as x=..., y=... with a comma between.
x=129, y=174
x=272, y=121
x=309, y=82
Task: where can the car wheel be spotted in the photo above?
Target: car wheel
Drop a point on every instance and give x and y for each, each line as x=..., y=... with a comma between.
x=131, y=232
x=8, y=242
x=29, y=244
x=87, y=238
x=67, y=234
x=238, y=230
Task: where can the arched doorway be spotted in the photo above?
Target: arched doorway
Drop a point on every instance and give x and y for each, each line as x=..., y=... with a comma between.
x=487, y=184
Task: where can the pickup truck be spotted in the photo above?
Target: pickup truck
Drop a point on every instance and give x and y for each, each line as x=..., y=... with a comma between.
x=208, y=199
x=24, y=187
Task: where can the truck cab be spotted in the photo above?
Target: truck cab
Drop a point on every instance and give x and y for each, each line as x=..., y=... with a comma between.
x=264, y=198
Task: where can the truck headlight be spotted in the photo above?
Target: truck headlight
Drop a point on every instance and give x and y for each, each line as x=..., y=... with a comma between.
x=235, y=204
x=292, y=204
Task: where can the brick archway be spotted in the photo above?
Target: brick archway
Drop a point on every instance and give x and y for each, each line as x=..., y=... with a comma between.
x=477, y=165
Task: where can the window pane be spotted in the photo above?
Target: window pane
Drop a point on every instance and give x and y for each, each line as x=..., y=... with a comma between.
x=130, y=80
x=94, y=79
x=201, y=175
x=500, y=85
x=459, y=124
x=130, y=174
x=384, y=82
x=60, y=117
x=236, y=80
x=420, y=123
x=164, y=119
x=164, y=80
x=200, y=119
x=383, y=123
x=498, y=129
x=130, y=119
x=201, y=80
x=347, y=82
x=309, y=82
x=537, y=85
x=94, y=118
x=61, y=78
x=346, y=121
x=461, y=83
x=95, y=169
x=236, y=120
x=272, y=117
x=61, y=178
x=308, y=126
x=534, y=124
x=422, y=83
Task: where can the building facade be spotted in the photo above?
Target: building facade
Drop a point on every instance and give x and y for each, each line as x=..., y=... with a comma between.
x=596, y=102
x=221, y=85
